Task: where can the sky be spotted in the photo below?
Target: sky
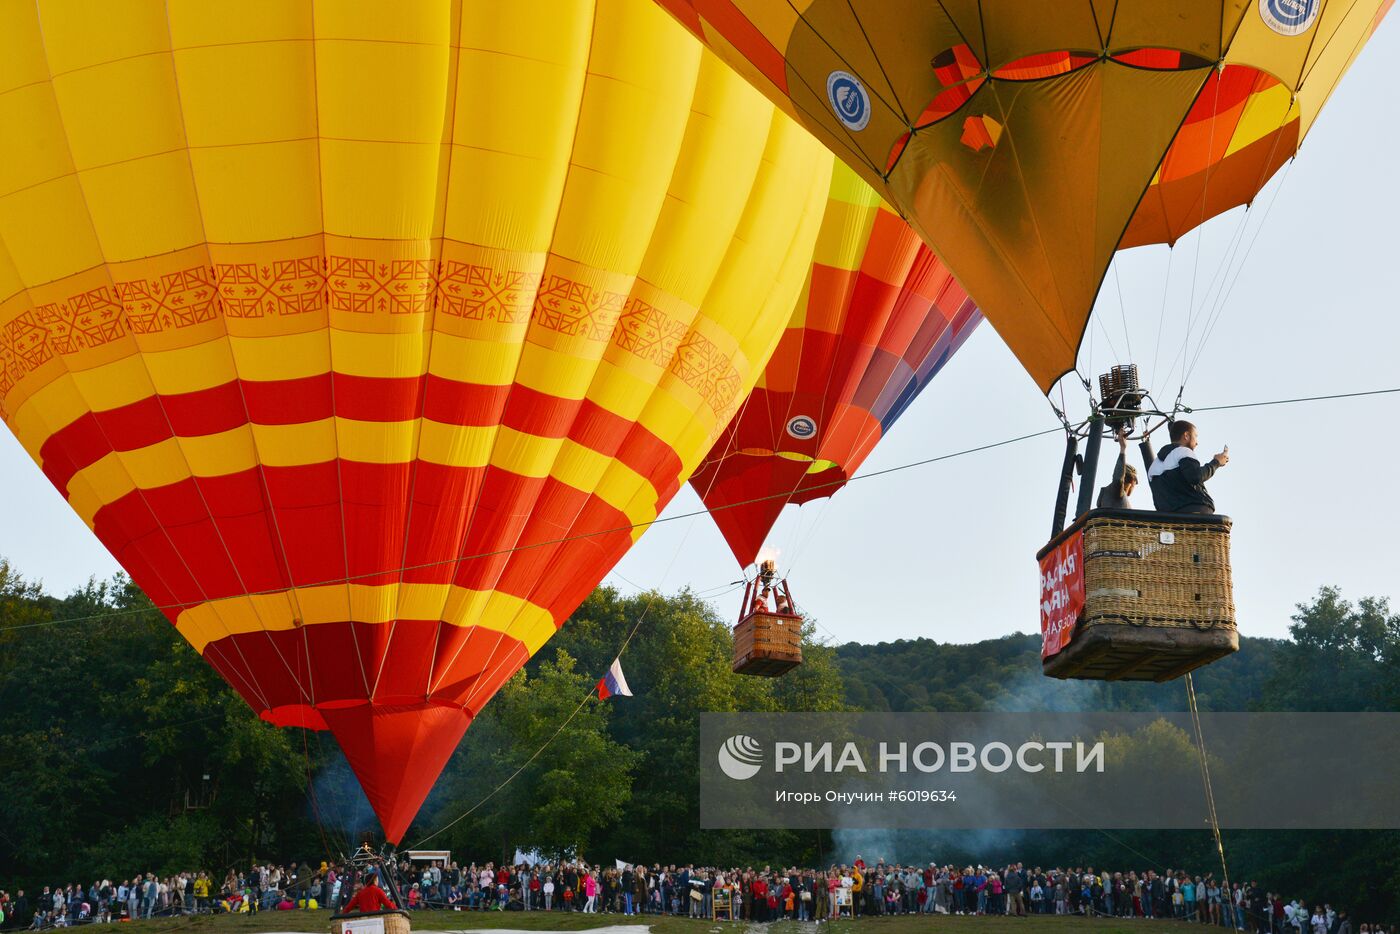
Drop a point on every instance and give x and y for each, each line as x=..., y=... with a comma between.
x=947, y=550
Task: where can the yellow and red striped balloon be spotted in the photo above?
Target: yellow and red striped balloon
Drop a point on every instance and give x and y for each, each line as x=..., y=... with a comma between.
x=364, y=335
x=878, y=318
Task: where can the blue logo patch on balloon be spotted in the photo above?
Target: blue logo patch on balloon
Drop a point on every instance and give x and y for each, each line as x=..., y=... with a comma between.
x=801, y=427
x=1289, y=17
x=849, y=99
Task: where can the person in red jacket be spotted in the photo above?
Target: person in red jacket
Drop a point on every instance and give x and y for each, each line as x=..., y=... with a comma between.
x=760, y=900
x=369, y=897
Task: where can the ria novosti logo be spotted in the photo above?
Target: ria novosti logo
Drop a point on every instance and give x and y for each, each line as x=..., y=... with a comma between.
x=741, y=757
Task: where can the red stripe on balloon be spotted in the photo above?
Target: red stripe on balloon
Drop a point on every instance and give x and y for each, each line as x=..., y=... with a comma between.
x=403, y=662
x=271, y=528
x=289, y=402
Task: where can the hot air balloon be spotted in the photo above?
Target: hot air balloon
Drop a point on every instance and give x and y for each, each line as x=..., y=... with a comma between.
x=880, y=315
x=768, y=636
x=365, y=335
x=1027, y=143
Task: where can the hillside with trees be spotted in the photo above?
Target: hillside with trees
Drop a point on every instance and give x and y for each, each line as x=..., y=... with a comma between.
x=1004, y=674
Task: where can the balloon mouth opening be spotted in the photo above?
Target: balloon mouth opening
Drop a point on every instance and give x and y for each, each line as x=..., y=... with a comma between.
x=310, y=717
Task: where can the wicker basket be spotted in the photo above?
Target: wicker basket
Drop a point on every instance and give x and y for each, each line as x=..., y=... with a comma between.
x=767, y=644
x=1157, y=596
x=395, y=922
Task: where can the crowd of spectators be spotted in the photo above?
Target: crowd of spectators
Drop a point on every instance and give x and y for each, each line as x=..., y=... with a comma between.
x=745, y=894
x=261, y=888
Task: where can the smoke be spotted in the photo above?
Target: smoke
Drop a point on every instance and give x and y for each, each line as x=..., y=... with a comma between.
x=1032, y=692
x=528, y=858
x=920, y=847
x=871, y=845
x=338, y=803
x=969, y=847
x=1029, y=692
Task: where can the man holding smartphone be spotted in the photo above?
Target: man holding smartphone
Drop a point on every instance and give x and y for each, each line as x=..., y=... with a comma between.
x=1178, y=478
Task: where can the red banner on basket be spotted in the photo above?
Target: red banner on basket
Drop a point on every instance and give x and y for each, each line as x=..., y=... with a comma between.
x=1061, y=593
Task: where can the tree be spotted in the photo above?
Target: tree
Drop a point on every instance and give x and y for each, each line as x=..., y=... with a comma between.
x=109, y=718
x=1343, y=656
x=548, y=736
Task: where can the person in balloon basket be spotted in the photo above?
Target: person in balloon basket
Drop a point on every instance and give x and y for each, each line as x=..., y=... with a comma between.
x=1178, y=478
x=369, y=897
x=1116, y=494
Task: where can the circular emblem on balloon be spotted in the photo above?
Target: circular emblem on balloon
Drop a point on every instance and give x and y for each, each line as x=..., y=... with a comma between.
x=1289, y=17
x=849, y=99
x=801, y=427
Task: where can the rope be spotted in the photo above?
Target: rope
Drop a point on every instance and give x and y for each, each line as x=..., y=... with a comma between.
x=1122, y=307
x=1108, y=339
x=1162, y=314
x=1200, y=225
x=1255, y=405
x=315, y=804
x=653, y=595
x=1223, y=296
x=1205, y=778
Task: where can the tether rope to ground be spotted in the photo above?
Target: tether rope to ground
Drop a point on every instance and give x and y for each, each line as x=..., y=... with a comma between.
x=1205, y=777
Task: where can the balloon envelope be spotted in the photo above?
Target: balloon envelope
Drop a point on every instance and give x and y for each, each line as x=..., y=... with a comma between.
x=878, y=318
x=1025, y=141
x=364, y=335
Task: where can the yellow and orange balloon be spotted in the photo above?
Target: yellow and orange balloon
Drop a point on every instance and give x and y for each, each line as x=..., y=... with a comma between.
x=364, y=335
x=1028, y=141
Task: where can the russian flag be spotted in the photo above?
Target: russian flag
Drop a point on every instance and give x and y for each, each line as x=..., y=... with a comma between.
x=613, y=682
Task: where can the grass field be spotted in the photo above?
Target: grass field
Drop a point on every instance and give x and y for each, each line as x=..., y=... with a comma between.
x=318, y=922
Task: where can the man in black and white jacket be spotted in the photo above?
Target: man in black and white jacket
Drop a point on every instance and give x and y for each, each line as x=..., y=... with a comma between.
x=1178, y=479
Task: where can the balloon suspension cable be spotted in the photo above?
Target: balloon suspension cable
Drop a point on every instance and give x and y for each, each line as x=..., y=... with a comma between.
x=1060, y=413
x=1205, y=778
x=1178, y=406
x=1122, y=406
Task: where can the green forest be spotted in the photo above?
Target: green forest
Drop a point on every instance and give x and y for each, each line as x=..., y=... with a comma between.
x=122, y=751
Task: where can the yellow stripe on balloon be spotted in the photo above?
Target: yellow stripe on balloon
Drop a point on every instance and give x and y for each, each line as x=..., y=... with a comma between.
x=243, y=448
x=1264, y=112
x=380, y=604
x=844, y=233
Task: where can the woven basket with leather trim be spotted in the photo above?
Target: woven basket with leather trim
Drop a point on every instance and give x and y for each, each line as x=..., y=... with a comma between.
x=1157, y=596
